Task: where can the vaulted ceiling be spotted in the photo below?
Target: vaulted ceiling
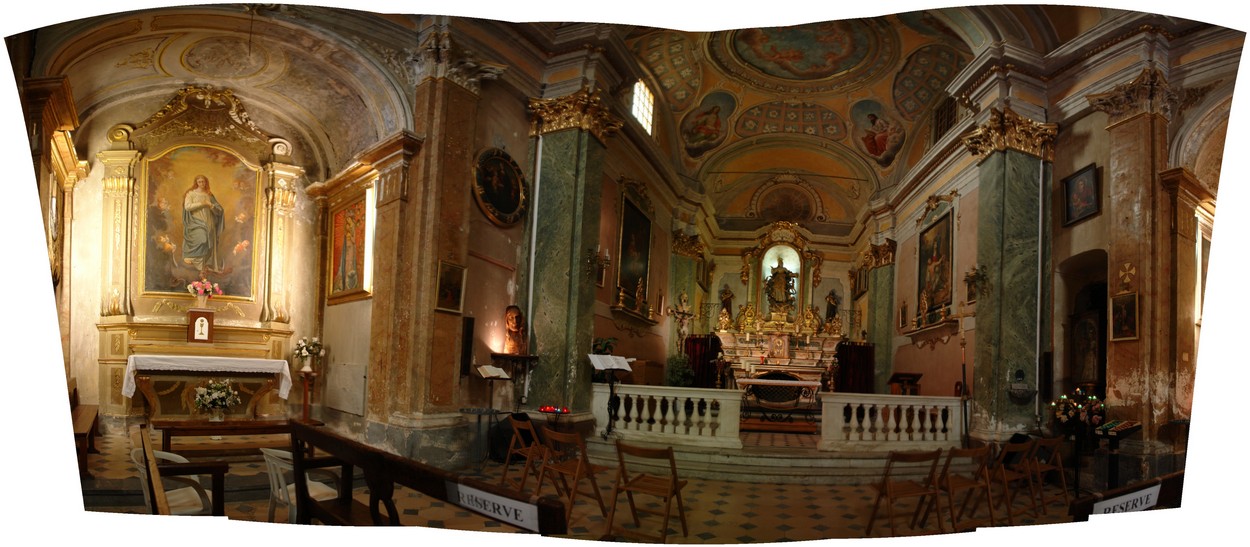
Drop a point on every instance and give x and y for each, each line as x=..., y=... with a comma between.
x=803, y=123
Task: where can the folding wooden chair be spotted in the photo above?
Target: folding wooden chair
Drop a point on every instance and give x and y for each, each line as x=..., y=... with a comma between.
x=566, y=464
x=1047, y=458
x=664, y=485
x=525, y=444
x=1012, y=466
x=893, y=489
x=976, y=477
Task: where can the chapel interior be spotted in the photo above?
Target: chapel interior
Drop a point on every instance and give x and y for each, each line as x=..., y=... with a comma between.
x=994, y=214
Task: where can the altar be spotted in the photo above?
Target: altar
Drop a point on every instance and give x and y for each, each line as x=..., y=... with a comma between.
x=168, y=382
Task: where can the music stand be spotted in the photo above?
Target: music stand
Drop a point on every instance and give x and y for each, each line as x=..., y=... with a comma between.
x=610, y=364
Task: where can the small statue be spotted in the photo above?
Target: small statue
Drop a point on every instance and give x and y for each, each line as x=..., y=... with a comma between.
x=640, y=297
x=514, y=338
x=726, y=298
x=724, y=322
x=831, y=305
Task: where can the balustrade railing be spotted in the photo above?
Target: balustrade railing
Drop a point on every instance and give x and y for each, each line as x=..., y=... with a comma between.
x=687, y=416
x=711, y=417
x=856, y=421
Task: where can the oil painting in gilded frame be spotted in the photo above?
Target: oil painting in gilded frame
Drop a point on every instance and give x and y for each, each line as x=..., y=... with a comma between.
x=635, y=253
x=1081, y=195
x=499, y=187
x=1124, y=317
x=200, y=206
x=934, y=279
x=450, y=287
x=346, y=267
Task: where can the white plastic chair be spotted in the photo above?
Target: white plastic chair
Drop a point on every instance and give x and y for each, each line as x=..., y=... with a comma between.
x=282, y=490
x=189, y=499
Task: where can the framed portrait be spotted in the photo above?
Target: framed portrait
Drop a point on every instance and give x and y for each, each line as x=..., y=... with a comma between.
x=859, y=282
x=200, y=205
x=499, y=187
x=935, y=265
x=635, y=253
x=1082, y=198
x=1124, y=317
x=450, y=287
x=346, y=256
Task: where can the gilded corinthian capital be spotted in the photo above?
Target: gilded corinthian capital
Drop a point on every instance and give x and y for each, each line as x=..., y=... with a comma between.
x=1006, y=130
x=580, y=110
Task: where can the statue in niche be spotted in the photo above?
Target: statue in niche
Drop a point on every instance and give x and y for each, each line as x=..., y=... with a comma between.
x=726, y=298
x=780, y=289
x=514, y=335
x=831, y=305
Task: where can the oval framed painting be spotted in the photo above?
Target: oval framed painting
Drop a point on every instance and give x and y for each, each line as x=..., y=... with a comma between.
x=499, y=187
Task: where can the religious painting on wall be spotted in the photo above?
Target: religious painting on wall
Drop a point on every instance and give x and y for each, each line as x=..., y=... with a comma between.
x=450, y=287
x=199, y=222
x=1081, y=196
x=347, y=252
x=1124, y=317
x=935, y=266
x=499, y=187
x=635, y=253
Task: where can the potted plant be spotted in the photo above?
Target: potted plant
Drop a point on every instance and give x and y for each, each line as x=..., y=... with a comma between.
x=678, y=372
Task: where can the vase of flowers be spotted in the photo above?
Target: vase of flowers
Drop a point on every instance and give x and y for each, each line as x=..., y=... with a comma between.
x=306, y=349
x=202, y=290
x=214, y=398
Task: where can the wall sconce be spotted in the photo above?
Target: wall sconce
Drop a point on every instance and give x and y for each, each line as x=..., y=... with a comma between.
x=597, y=262
x=1019, y=390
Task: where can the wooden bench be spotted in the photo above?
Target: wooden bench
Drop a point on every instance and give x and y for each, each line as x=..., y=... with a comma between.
x=156, y=490
x=171, y=428
x=383, y=470
x=1171, y=487
x=86, y=420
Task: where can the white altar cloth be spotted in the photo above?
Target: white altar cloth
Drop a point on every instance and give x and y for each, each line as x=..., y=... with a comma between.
x=195, y=363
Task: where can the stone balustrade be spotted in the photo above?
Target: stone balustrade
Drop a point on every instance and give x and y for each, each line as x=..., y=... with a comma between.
x=686, y=416
x=872, y=422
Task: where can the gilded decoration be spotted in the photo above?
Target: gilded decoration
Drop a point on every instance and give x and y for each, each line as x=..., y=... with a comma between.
x=583, y=109
x=203, y=112
x=1149, y=93
x=687, y=245
x=877, y=256
x=1006, y=130
x=441, y=57
x=934, y=201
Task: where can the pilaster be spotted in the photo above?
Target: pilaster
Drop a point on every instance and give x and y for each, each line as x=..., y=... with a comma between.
x=119, y=224
x=570, y=132
x=1015, y=154
x=280, y=179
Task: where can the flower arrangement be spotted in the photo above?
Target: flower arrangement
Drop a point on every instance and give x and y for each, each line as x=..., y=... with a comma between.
x=1079, y=407
x=309, y=348
x=216, y=394
x=204, y=288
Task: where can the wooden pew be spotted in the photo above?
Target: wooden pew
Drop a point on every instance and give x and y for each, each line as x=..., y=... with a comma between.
x=86, y=420
x=156, y=491
x=383, y=470
x=1171, y=486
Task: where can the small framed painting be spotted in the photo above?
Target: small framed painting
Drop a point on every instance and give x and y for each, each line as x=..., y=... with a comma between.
x=450, y=287
x=200, y=325
x=346, y=254
x=1081, y=196
x=1124, y=317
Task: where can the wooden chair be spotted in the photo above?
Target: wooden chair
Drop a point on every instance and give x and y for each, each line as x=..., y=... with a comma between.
x=892, y=489
x=190, y=499
x=567, y=464
x=1047, y=458
x=664, y=485
x=1013, y=466
x=279, y=463
x=951, y=482
x=525, y=444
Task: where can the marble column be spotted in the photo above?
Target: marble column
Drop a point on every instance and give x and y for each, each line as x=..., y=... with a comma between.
x=1152, y=220
x=880, y=320
x=570, y=134
x=1014, y=164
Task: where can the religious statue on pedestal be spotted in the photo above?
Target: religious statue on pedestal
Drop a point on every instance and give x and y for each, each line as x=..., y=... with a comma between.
x=724, y=322
x=780, y=290
x=514, y=337
x=726, y=298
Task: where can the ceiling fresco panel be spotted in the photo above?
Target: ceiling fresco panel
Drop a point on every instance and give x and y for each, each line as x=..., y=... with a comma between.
x=924, y=78
x=671, y=58
x=791, y=117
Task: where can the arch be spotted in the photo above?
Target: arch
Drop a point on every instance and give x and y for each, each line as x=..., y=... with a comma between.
x=1198, y=144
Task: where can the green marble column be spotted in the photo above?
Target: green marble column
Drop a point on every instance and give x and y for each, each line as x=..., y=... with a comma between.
x=879, y=323
x=569, y=142
x=1008, y=247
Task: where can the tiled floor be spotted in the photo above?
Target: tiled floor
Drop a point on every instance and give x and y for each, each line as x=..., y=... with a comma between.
x=717, y=511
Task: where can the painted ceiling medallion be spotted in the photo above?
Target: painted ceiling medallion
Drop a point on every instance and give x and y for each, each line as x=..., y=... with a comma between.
x=816, y=57
x=499, y=187
x=225, y=57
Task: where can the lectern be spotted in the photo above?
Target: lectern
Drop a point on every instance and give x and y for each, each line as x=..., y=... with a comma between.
x=907, y=383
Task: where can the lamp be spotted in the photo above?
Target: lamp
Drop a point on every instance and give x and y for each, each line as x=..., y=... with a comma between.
x=597, y=262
